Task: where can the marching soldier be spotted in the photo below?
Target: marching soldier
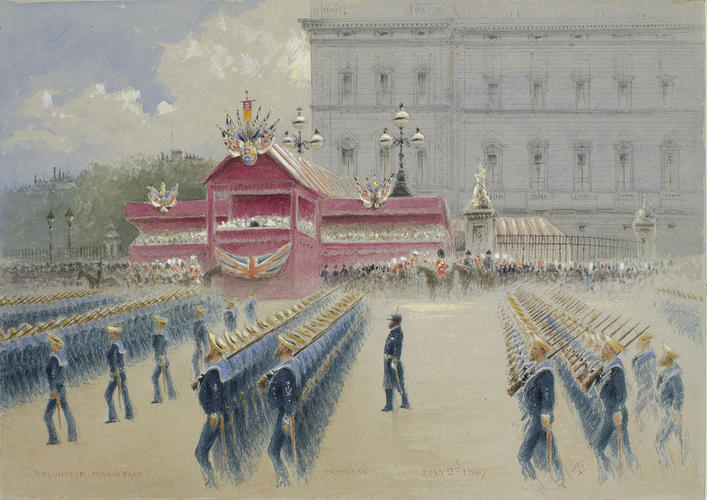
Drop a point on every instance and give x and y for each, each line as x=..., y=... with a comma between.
x=57, y=399
x=211, y=399
x=538, y=402
x=393, y=376
x=614, y=418
x=116, y=363
x=160, y=337
x=671, y=395
x=283, y=384
x=230, y=316
x=200, y=332
x=250, y=313
x=644, y=369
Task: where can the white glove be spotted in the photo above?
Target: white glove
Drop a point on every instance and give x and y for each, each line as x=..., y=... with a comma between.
x=286, y=424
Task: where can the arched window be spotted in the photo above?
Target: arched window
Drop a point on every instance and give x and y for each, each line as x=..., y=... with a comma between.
x=582, y=166
x=538, y=164
x=383, y=83
x=346, y=86
x=421, y=86
x=624, y=166
x=385, y=165
x=492, y=162
x=421, y=163
x=348, y=157
x=669, y=156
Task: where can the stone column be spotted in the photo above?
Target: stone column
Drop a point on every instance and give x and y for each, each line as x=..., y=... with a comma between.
x=480, y=229
x=644, y=227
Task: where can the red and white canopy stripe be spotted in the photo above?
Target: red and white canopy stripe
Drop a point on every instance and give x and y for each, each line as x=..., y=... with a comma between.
x=309, y=173
x=508, y=226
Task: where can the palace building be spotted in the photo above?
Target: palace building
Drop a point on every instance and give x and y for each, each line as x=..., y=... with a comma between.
x=574, y=111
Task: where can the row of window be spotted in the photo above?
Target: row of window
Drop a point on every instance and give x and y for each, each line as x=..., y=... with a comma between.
x=537, y=164
x=538, y=90
x=624, y=178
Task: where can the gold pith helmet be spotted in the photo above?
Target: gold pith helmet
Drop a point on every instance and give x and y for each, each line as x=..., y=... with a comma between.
x=199, y=309
x=646, y=336
x=56, y=340
x=231, y=341
x=252, y=330
x=2, y=335
x=303, y=332
x=24, y=328
x=230, y=301
x=284, y=340
x=297, y=337
x=542, y=342
x=217, y=344
x=243, y=336
x=114, y=329
x=669, y=351
x=160, y=319
x=613, y=343
x=263, y=324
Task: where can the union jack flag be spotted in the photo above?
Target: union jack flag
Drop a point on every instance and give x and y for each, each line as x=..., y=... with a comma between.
x=253, y=267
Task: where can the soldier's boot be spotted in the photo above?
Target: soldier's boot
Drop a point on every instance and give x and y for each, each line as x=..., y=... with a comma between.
x=388, y=400
x=406, y=404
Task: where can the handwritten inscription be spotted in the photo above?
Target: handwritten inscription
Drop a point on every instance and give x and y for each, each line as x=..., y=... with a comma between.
x=124, y=475
x=454, y=471
x=578, y=468
x=361, y=471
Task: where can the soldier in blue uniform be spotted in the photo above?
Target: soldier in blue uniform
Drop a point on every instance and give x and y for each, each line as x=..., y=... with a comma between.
x=284, y=387
x=160, y=337
x=200, y=332
x=56, y=365
x=230, y=316
x=250, y=312
x=393, y=375
x=614, y=416
x=538, y=400
x=644, y=370
x=671, y=395
x=116, y=362
x=211, y=399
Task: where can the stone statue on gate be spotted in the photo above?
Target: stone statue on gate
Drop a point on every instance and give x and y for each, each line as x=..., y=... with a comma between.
x=481, y=198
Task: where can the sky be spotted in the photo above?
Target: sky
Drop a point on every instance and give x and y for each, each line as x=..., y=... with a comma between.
x=87, y=82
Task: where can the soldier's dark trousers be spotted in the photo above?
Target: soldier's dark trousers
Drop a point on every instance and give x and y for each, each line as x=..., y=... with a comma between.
x=66, y=412
x=206, y=441
x=200, y=351
x=607, y=431
x=156, y=381
x=126, y=398
x=388, y=399
x=536, y=435
x=276, y=443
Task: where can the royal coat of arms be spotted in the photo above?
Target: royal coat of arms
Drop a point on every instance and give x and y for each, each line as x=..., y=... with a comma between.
x=162, y=199
x=247, y=137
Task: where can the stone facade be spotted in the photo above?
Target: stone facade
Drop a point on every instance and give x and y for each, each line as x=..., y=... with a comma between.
x=573, y=118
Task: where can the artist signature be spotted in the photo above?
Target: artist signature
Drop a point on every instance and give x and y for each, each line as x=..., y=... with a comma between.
x=454, y=471
x=578, y=468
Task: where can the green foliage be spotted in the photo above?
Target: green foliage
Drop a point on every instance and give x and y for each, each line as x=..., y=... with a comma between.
x=99, y=199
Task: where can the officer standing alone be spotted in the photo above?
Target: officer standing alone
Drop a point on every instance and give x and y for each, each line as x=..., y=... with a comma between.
x=160, y=337
x=116, y=363
x=393, y=375
x=57, y=399
x=201, y=343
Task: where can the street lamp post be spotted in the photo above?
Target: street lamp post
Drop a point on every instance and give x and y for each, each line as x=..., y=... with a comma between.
x=69, y=222
x=290, y=142
x=400, y=119
x=50, y=222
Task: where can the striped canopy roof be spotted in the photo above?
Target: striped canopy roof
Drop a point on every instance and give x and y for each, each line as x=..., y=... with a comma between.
x=309, y=173
x=507, y=226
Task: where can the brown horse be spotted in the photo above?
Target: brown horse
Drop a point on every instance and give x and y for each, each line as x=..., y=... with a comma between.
x=466, y=276
x=209, y=275
x=93, y=280
x=435, y=281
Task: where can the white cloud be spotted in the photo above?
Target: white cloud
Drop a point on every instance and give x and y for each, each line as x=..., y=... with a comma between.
x=47, y=99
x=164, y=108
x=204, y=76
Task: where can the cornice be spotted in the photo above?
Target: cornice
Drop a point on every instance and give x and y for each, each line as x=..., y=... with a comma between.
x=475, y=27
